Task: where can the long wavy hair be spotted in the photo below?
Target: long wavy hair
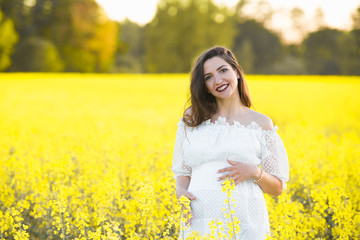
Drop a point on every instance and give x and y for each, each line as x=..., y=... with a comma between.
x=202, y=103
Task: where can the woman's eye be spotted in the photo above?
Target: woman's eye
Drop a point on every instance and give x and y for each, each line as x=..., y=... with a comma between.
x=207, y=78
x=223, y=70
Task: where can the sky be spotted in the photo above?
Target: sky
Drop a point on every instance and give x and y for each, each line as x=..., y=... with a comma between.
x=337, y=14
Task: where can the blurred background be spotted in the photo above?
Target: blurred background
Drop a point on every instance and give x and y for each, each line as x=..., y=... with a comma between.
x=163, y=36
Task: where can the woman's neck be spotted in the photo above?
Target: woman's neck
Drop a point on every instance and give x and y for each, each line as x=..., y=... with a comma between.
x=230, y=108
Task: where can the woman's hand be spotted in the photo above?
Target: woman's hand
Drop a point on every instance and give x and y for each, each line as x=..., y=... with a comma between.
x=182, y=184
x=183, y=192
x=186, y=210
x=239, y=171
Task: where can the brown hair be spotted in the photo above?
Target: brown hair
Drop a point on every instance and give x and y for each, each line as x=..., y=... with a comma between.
x=203, y=103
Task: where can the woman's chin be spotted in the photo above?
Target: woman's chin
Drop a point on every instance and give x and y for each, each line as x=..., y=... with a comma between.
x=224, y=95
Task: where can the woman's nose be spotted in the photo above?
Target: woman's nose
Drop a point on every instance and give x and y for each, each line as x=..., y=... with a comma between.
x=218, y=79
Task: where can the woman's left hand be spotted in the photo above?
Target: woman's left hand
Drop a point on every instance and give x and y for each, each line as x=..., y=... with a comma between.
x=239, y=171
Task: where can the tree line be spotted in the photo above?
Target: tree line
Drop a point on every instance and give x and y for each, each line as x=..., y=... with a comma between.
x=77, y=36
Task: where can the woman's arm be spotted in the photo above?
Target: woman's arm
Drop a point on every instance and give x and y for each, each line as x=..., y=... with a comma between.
x=268, y=183
x=182, y=184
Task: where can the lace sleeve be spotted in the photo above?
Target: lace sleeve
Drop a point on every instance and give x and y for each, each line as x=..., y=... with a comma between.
x=179, y=166
x=274, y=158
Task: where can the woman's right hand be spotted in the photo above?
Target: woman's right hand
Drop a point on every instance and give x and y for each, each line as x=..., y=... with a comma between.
x=184, y=192
x=182, y=185
x=186, y=209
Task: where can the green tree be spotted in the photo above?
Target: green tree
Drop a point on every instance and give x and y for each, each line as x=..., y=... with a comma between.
x=181, y=29
x=291, y=61
x=85, y=37
x=266, y=47
x=330, y=51
x=8, y=38
x=356, y=18
x=246, y=56
x=36, y=54
x=355, y=33
x=20, y=13
x=298, y=19
x=130, y=53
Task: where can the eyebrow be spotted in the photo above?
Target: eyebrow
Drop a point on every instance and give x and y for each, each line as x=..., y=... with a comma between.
x=216, y=69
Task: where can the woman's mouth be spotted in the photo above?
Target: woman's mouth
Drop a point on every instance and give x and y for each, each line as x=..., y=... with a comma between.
x=222, y=88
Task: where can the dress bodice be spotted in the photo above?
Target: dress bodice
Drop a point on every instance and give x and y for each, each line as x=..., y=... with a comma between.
x=219, y=141
x=215, y=142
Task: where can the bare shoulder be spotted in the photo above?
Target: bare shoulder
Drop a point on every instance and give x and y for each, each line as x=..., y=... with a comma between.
x=188, y=115
x=188, y=112
x=264, y=121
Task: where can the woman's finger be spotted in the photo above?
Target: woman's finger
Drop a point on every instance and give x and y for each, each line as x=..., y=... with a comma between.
x=237, y=181
x=189, y=195
x=232, y=162
x=227, y=169
x=223, y=177
x=229, y=175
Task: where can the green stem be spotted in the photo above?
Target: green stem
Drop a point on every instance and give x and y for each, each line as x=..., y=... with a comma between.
x=217, y=229
x=102, y=227
x=62, y=225
x=181, y=223
x=146, y=228
x=232, y=220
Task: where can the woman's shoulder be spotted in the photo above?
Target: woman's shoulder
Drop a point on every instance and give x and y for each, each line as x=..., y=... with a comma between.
x=264, y=121
x=188, y=112
x=187, y=116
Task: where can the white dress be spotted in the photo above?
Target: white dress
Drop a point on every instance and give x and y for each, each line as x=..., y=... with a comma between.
x=199, y=152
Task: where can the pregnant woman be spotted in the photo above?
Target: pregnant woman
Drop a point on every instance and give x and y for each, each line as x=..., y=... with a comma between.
x=220, y=137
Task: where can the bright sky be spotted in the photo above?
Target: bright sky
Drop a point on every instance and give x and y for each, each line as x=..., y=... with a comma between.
x=336, y=13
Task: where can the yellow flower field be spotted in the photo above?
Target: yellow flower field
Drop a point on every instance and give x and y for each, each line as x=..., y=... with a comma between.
x=89, y=156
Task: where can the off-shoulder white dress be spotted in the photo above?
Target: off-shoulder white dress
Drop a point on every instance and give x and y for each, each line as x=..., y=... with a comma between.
x=199, y=152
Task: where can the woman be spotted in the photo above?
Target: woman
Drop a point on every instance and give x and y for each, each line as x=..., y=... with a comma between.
x=220, y=137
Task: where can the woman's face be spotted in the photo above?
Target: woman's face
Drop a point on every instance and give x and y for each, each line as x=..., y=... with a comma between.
x=220, y=78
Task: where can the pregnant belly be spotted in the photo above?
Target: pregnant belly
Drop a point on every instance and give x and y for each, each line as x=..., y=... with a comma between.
x=210, y=201
x=205, y=176
x=208, y=191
